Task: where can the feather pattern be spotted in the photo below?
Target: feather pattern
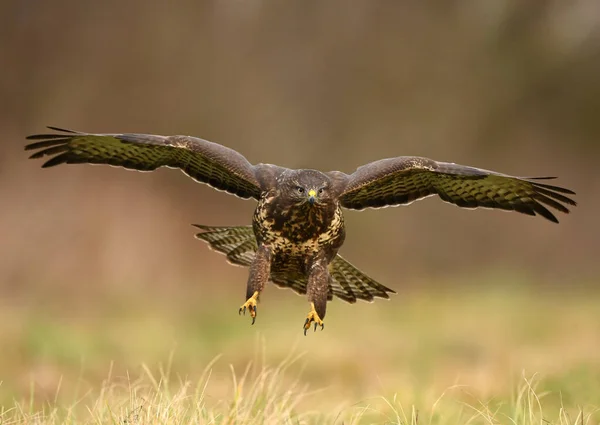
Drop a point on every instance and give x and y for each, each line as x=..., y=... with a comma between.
x=402, y=180
x=346, y=282
x=204, y=161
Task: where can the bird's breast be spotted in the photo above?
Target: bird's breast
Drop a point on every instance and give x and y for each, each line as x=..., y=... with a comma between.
x=299, y=231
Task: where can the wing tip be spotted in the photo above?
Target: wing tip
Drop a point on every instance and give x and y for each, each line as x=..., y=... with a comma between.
x=552, y=218
x=64, y=130
x=57, y=160
x=52, y=135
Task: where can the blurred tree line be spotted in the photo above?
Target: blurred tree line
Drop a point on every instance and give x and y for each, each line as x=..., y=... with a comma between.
x=511, y=86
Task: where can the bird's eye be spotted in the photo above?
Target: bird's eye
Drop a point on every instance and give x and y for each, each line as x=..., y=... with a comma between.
x=300, y=190
x=321, y=191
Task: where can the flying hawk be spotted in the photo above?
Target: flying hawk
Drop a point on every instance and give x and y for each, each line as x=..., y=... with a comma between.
x=298, y=226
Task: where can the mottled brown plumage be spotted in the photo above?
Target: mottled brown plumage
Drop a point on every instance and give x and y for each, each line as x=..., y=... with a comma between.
x=298, y=227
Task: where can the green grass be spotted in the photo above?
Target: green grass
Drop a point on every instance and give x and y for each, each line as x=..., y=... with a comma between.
x=466, y=356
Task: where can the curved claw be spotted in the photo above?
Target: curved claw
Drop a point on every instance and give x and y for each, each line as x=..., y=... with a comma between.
x=312, y=317
x=250, y=304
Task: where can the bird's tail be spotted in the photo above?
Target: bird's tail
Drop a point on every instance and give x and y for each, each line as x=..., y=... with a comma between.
x=238, y=243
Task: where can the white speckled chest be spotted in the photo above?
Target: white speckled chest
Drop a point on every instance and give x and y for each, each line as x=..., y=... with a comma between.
x=297, y=235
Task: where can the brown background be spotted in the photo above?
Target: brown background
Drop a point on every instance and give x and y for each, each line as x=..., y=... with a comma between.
x=509, y=86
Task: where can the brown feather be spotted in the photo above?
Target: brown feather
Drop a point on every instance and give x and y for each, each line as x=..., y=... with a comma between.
x=347, y=283
x=204, y=161
x=402, y=180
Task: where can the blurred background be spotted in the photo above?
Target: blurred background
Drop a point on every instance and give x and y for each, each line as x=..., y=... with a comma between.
x=100, y=264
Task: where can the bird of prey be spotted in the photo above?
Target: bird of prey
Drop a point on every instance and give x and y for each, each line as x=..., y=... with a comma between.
x=298, y=226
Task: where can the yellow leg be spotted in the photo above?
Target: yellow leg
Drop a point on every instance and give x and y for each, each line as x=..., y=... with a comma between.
x=312, y=317
x=251, y=306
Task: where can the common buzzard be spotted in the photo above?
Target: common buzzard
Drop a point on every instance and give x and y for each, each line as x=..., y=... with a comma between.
x=298, y=226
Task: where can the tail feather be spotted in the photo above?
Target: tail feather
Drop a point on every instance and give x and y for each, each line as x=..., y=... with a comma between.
x=244, y=253
x=236, y=242
x=356, y=282
x=346, y=282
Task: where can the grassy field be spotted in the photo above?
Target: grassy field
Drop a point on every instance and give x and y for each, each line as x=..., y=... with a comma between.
x=477, y=356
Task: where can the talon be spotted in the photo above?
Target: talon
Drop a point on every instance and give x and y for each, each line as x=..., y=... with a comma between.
x=250, y=304
x=312, y=317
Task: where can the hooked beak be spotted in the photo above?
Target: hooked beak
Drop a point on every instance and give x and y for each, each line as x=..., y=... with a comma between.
x=312, y=196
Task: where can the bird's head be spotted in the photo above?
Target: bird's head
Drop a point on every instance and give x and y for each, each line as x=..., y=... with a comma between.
x=308, y=187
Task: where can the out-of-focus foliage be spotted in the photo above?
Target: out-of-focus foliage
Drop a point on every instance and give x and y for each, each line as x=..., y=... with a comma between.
x=439, y=352
x=99, y=264
x=505, y=85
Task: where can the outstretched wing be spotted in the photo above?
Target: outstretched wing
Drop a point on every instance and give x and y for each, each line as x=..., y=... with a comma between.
x=346, y=281
x=204, y=161
x=402, y=180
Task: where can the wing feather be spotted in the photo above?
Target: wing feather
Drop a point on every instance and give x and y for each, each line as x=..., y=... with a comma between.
x=204, y=161
x=402, y=180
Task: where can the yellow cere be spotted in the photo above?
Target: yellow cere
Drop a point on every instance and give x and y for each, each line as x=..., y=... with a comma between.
x=312, y=193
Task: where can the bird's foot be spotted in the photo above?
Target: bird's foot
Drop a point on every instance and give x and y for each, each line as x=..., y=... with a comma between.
x=313, y=317
x=251, y=306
